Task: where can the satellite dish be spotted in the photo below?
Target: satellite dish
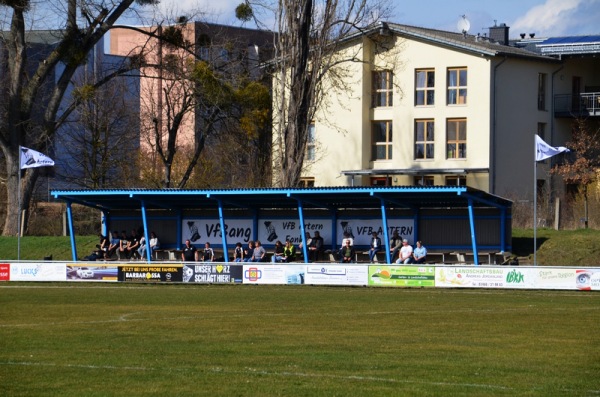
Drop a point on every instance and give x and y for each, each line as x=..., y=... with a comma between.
x=463, y=25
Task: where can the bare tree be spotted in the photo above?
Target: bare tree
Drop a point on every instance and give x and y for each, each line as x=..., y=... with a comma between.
x=309, y=61
x=100, y=139
x=582, y=165
x=194, y=88
x=29, y=79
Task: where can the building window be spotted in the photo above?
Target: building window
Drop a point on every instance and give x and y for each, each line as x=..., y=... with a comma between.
x=310, y=143
x=457, y=86
x=456, y=138
x=382, y=140
x=382, y=88
x=541, y=91
x=224, y=55
x=424, y=139
x=424, y=180
x=381, y=181
x=204, y=53
x=424, y=87
x=541, y=130
x=204, y=42
x=456, y=180
x=307, y=182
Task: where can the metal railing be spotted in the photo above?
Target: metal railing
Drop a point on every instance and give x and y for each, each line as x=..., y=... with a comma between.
x=584, y=104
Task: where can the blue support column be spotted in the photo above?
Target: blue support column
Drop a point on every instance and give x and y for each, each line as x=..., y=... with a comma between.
x=105, y=229
x=416, y=220
x=334, y=243
x=255, y=225
x=502, y=229
x=386, y=234
x=473, y=235
x=302, y=233
x=71, y=232
x=178, y=244
x=223, y=232
x=145, y=222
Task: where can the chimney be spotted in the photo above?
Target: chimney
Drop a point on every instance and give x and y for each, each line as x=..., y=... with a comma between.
x=499, y=33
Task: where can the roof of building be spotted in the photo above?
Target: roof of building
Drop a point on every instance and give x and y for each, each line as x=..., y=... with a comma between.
x=569, y=45
x=477, y=44
x=332, y=198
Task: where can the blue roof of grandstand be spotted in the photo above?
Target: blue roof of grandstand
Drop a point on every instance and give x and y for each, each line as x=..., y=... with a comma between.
x=363, y=197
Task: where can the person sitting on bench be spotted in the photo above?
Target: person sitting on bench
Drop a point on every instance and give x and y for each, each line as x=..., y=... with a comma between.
x=347, y=253
x=419, y=253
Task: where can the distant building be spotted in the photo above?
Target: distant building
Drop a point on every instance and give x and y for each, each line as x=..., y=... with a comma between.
x=231, y=50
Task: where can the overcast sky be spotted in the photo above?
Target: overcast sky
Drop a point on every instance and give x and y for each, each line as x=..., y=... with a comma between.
x=542, y=17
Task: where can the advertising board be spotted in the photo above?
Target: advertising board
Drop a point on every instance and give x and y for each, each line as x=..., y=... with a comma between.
x=402, y=276
x=328, y=274
x=212, y=273
x=484, y=277
x=42, y=271
x=274, y=274
x=150, y=274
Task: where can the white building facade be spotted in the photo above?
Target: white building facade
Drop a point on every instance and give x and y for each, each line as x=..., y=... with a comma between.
x=450, y=109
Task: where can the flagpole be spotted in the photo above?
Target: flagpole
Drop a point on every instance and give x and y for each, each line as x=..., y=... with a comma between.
x=542, y=151
x=33, y=159
x=19, y=208
x=534, y=202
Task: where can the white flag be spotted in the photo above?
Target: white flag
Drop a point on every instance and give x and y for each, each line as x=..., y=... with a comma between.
x=31, y=159
x=544, y=151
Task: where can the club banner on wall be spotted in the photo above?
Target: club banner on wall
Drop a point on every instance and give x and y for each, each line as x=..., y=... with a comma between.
x=93, y=273
x=402, y=276
x=327, y=274
x=361, y=230
x=38, y=272
x=274, y=274
x=150, y=274
x=271, y=230
x=211, y=273
x=199, y=231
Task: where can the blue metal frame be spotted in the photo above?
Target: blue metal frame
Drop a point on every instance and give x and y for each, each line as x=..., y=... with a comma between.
x=331, y=198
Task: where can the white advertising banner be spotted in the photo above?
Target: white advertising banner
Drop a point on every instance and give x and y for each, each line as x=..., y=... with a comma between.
x=326, y=274
x=484, y=277
x=361, y=230
x=44, y=271
x=259, y=273
x=271, y=230
x=556, y=278
x=199, y=231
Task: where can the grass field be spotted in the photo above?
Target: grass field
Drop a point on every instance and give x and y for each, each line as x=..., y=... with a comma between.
x=90, y=339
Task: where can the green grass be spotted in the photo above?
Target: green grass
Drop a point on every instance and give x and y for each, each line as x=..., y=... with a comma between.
x=38, y=247
x=238, y=340
x=558, y=248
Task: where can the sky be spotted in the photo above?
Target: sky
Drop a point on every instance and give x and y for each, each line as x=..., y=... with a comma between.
x=542, y=17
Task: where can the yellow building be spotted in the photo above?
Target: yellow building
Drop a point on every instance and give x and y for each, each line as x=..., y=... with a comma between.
x=442, y=108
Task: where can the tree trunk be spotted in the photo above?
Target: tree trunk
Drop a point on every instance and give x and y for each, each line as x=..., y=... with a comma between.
x=295, y=131
x=14, y=203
